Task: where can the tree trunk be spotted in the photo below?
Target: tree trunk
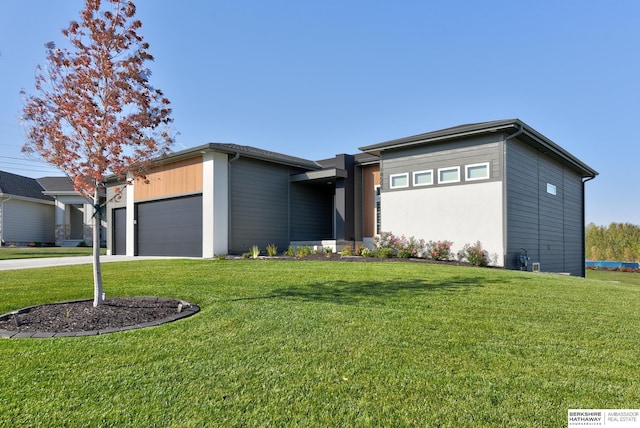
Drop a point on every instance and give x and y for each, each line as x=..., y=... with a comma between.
x=97, y=273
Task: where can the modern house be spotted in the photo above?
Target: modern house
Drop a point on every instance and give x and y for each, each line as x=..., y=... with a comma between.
x=43, y=211
x=501, y=183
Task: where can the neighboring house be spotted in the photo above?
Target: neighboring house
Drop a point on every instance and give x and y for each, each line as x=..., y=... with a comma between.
x=501, y=183
x=26, y=215
x=45, y=210
x=73, y=213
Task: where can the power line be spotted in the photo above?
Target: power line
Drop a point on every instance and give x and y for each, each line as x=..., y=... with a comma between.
x=31, y=171
x=21, y=159
x=25, y=165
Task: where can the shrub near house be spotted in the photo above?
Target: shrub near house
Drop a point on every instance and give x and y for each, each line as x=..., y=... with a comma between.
x=474, y=254
x=389, y=245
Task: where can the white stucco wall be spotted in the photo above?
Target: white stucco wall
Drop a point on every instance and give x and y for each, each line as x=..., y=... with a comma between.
x=215, y=199
x=463, y=214
x=131, y=219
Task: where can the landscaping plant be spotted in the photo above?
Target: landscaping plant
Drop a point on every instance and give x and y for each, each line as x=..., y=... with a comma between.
x=272, y=250
x=347, y=251
x=474, y=254
x=303, y=251
x=254, y=251
x=439, y=250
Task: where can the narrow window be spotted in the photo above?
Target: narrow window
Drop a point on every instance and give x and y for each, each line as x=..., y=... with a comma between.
x=423, y=178
x=478, y=171
x=378, y=214
x=399, y=180
x=449, y=175
x=551, y=189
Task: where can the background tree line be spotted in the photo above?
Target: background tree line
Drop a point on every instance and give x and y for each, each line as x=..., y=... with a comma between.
x=618, y=242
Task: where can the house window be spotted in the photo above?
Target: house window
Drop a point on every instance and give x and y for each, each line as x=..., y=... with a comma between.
x=423, y=178
x=399, y=180
x=449, y=175
x=478, y=171
x=551, y=189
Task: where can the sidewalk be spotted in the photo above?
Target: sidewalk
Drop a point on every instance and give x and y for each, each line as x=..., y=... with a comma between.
x=66, y=261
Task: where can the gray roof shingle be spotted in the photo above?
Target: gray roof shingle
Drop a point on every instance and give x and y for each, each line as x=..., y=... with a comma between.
x=258, y=153
x=18, y=185
x=56, y=184
x=511, y=126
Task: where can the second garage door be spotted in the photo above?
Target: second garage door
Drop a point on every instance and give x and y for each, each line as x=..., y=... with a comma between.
x=170, y=227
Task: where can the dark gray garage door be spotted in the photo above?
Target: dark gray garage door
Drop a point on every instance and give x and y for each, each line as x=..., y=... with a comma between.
x=170, y=227
x=119, y=217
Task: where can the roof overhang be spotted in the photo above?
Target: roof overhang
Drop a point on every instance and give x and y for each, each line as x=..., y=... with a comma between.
x=238, y=150
x=71, y=198
x=7, y=197
x=235, y=151
x=549, y=148
x=509, y=127
x=323, y=175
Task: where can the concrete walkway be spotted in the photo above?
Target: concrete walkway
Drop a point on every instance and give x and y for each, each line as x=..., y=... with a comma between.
x=66, y=261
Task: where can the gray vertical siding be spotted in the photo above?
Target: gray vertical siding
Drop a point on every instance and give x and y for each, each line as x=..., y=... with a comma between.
x=450, y=154
x=259, y=205
x=522, y=176
x=551, y=244
x=573, y=223
x=358, y=214
x=548, y=226
x=311, y=211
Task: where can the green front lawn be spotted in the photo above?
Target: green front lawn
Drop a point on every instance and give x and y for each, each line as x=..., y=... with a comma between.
x=7, y=253
x=286, y=343
x=629, y=278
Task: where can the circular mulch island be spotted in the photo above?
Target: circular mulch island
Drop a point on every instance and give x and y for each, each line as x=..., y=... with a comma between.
x=80, y=318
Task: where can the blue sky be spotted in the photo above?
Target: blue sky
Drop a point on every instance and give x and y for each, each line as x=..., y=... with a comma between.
x=317, y=78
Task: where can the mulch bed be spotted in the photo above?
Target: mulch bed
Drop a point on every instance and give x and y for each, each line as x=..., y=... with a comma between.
x=81, y=316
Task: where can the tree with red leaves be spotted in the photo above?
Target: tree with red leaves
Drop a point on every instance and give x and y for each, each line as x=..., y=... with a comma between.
x=94, y=113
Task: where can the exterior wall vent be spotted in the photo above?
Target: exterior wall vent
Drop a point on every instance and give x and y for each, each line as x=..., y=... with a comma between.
x=535, y=267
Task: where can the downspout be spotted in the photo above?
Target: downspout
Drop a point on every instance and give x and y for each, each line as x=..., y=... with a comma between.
x=235, y=157
x=584, y=238
x=504, y=193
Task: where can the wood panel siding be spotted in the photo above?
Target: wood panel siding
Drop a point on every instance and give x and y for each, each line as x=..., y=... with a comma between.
x=370, y=179
x=177, y=178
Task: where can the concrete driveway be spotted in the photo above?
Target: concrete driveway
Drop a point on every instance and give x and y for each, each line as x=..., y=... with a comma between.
x=66, y=261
